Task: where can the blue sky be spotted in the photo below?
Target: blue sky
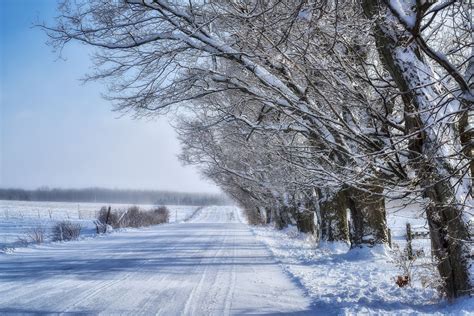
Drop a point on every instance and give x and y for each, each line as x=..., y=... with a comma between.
x=57, y=132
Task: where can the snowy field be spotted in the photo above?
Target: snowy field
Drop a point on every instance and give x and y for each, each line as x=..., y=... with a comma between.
x=18, y=217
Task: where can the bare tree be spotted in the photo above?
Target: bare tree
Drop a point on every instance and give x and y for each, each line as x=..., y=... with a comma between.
x=433, y=100
x=296, y=113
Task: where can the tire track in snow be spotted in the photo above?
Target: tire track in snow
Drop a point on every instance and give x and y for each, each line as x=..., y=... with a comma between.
x=140, y=268
x=231, y=287
x=88, y=294
x=212, y=265
x=190, y=305
x=94, y=290
x=168, y=276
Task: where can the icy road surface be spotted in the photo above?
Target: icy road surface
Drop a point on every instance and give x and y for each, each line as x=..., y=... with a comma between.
x=210, y=265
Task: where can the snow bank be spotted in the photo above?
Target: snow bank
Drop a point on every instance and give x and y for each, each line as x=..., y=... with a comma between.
x=342, y=281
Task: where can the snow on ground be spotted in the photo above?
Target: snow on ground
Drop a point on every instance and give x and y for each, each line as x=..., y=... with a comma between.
x=360, y=281
x=18, y=217
x=211, y=264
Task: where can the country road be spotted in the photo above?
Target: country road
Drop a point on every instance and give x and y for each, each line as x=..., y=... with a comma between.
x=210, y=265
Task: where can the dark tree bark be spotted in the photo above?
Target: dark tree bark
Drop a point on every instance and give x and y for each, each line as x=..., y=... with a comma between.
x=280, y=216
x=368, y=216
x=334, y=223
x=305, y=222
x=448, y=230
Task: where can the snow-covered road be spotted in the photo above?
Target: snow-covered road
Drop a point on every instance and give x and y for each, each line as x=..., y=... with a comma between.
x=210, y=265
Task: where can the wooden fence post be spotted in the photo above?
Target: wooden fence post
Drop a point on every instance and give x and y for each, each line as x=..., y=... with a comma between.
x=409, y=239
x=108, y=215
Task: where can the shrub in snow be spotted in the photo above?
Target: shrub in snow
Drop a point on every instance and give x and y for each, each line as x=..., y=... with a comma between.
x=34, y=235
x=66, y=230
x=107, y=217
x=133, y=217
x=415, y=267
x=161, y=214
x=403, y=260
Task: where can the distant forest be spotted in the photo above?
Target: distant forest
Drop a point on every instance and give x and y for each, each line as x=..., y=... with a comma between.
x=102, y=195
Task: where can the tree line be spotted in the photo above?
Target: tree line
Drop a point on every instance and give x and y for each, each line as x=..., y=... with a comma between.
x=306, y=112
x=103, y=195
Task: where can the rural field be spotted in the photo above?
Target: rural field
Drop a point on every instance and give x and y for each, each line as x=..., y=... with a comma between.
x=18, y=218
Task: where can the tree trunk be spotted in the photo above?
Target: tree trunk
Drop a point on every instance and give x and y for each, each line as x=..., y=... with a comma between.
x=368, y=216
x=334, y=224
x=280, y=216
x=306, y=213
x=448, y=230
x=305, y=222
x=448, y=233
x=356, y=224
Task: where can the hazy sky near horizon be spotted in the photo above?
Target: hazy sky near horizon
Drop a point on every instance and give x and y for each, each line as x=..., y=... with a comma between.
x=57, y=132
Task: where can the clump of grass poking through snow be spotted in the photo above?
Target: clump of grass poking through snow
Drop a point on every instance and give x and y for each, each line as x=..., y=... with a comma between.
x=34, y=235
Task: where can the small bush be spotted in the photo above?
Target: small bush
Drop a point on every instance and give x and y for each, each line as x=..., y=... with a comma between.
x=108, y=217
x=66, y=230
x=404, y=261
x=133, y=217
x=23, y=241
x=161, y=214
x=35, y=235
x=415, y=267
